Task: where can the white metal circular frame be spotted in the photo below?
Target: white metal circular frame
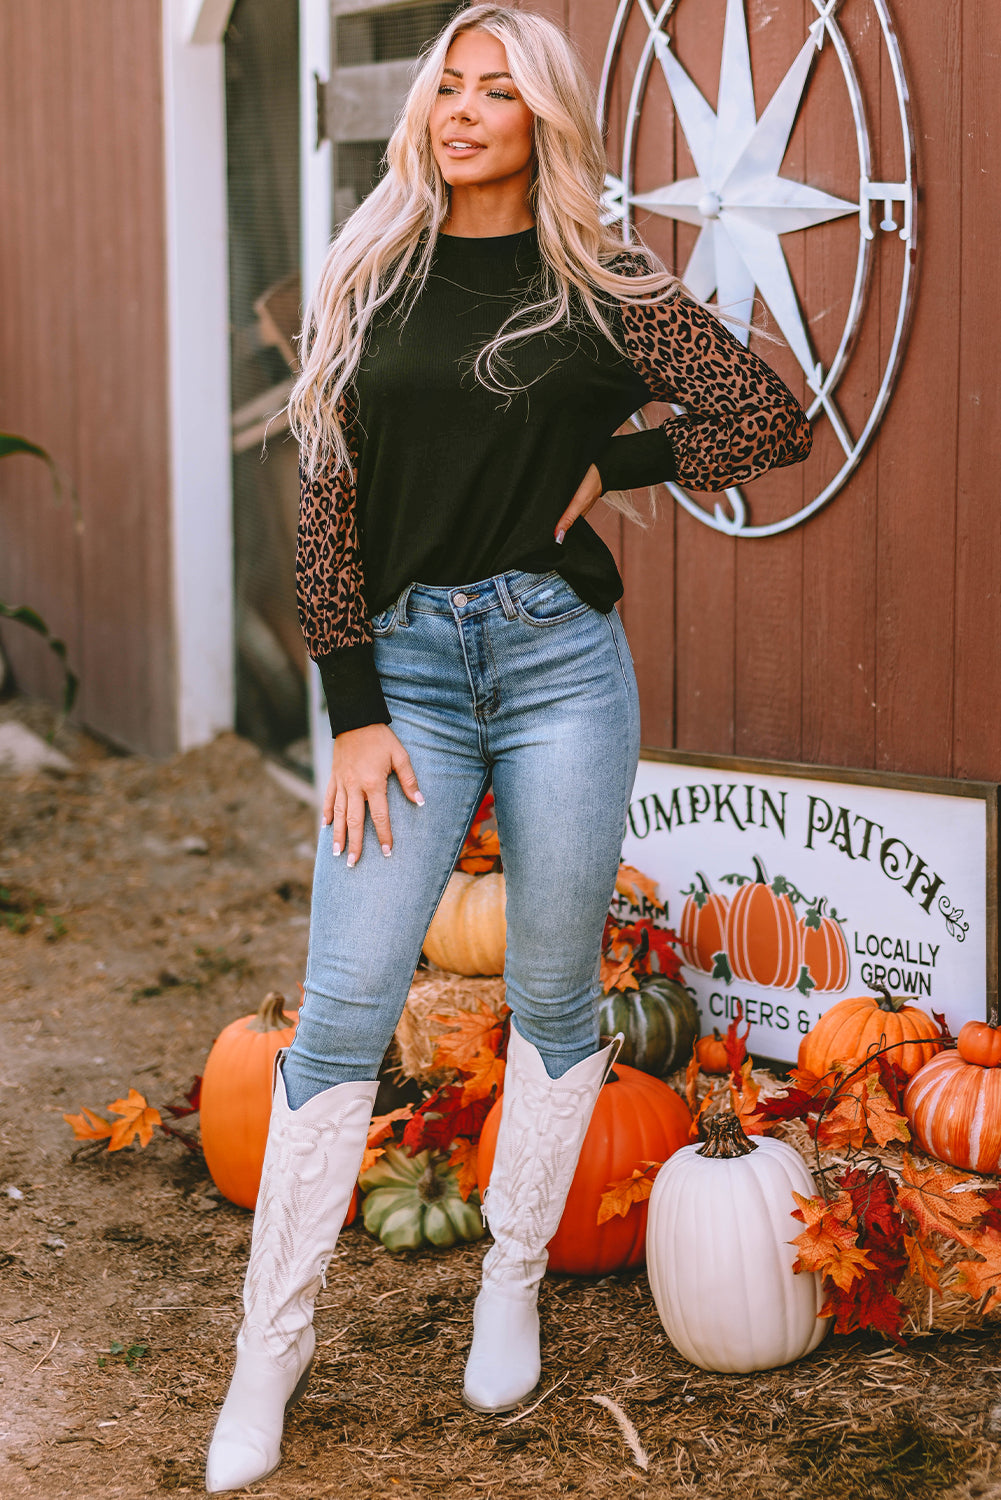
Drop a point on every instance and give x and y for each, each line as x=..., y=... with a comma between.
x=741, y=204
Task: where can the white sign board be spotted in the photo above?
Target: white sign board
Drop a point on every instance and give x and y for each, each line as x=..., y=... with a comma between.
x=789, y=892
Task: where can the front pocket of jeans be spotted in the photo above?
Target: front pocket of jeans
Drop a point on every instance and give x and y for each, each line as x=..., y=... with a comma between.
x=553, y=604
x=384, y=623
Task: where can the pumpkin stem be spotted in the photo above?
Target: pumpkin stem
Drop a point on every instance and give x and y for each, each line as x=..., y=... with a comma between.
x=761, y=874
x=430, y=1185
x=725, y=1138
x=888, y=1002
x=271, y=1014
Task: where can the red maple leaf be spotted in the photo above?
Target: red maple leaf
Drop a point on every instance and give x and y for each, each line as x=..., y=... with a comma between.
x=441, y=1118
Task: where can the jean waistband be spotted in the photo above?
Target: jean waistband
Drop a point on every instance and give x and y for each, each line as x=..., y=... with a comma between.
x=468, y=599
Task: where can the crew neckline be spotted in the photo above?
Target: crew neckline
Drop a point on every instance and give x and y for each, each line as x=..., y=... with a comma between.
x=489, y=241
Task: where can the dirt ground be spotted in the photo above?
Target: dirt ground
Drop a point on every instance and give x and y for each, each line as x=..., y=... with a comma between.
x=147, y=905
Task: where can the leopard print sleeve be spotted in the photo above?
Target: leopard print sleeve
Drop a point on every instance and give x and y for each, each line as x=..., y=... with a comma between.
x=328, y=567
x=740, y=419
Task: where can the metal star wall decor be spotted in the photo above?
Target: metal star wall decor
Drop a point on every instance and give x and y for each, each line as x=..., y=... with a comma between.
x=743, y=203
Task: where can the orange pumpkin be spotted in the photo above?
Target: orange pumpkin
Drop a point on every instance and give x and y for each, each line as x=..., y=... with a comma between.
x=703, y=925
x=235, y=1104
x=468, y=932
x=856, y=1026
x=823, y=949
x=710, y=1053
x=980, y=1042
x=954, y=1110
x=636, y=1119
x=762, y=938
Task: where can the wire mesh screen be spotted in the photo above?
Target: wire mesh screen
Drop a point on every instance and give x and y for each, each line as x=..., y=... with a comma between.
x=374, y=36
x=262, y=127
x=368, y=86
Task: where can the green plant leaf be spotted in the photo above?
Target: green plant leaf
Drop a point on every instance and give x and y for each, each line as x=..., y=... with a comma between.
x=22, y=615
x=11, y=443
x=721, y=968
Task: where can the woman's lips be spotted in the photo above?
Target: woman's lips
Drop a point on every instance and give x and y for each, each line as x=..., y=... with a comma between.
x=459, y=149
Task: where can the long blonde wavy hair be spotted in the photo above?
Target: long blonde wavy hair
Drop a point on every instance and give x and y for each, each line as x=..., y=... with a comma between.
x=388, y=242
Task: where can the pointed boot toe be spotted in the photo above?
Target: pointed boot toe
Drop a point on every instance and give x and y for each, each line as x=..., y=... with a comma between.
x=234, y=1463
x=504, y=1364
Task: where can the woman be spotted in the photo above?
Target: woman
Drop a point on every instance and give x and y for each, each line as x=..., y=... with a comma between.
x=475, y=340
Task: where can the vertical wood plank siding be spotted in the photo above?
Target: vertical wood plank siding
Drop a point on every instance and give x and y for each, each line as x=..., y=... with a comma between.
x=83, y=353
x=869, y=636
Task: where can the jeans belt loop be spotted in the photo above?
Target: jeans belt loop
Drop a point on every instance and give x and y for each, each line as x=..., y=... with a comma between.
x=510, y=613
x=401, y=605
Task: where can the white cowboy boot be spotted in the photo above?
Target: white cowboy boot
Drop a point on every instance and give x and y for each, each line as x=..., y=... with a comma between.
x=543, y=1124
x=310, y=1168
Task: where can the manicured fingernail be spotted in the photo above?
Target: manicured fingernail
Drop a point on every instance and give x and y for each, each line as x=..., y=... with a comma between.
x=337, y=847
x=387, y=850
x=352, y=861
x=419, y=798
x=325, y=823
x=560, y=535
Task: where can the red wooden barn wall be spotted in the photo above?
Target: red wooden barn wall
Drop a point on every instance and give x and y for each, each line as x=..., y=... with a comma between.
x=869, y=636
x=83, y=353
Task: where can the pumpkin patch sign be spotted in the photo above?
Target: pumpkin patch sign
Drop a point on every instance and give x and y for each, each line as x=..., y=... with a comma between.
x=789, y=890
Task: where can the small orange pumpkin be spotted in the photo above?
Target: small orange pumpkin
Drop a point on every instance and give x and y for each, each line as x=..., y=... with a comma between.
x=637, y=1118
x=954, y=1109
x=710, y=1053
x=861, y=1024
x=703, y=925
x=235, y=1104
x=980, y=1042
x=823, y=949
x=762, y=938
x=468, y=933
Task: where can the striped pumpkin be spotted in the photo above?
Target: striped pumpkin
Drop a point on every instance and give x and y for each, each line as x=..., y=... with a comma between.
x=762, y=935
x=703, y=925
x=659, y=1021
x=954, y=1109
x=824, y=950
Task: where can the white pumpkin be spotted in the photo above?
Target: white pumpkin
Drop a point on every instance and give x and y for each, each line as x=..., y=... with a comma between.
x=719, y=1258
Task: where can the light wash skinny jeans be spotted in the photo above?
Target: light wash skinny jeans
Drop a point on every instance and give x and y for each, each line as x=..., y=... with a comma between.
x=514, y=681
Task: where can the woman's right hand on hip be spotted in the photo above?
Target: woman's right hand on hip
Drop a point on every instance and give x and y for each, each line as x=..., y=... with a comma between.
x=364, y=760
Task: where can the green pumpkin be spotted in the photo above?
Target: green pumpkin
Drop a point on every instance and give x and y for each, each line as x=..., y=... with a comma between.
x=415, y=1200
x=659, y=1021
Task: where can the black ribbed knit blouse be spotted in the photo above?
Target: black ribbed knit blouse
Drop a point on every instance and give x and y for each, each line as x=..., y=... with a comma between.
x=455, y=483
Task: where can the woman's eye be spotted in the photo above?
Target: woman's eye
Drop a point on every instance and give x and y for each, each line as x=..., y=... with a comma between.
x=446, y=88
x=499, y=94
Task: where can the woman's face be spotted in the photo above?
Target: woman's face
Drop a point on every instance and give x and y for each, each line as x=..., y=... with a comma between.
x=481, y=128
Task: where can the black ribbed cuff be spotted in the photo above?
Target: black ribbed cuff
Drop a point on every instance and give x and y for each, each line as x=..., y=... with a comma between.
x=352, y=688
x=636, y=459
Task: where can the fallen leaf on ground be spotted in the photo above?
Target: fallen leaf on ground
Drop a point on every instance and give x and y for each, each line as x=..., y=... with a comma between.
x=138, y=1119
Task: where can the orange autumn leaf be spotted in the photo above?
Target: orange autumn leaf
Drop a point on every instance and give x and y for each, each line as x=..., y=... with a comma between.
x=634, y=885
x=885, y=1123
x=463, y=1159
x=744, y=1100
x=930, y=1195
x=468, y=1032
x=483, y=1074
x=692, y=1081
x=693, y=1132
x=87, y=1126
x=923, y=1262
x=982, y=1278
x=619, y=1197
x=617, y=973
x=828, y=1244
x=138, y=1119
x=480, y=853
x=380, y=1130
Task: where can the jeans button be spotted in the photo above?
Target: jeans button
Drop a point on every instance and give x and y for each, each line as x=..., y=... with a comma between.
x=459, y=600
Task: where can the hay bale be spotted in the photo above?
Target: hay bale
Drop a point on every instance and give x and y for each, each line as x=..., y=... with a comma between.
x=436, y=993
